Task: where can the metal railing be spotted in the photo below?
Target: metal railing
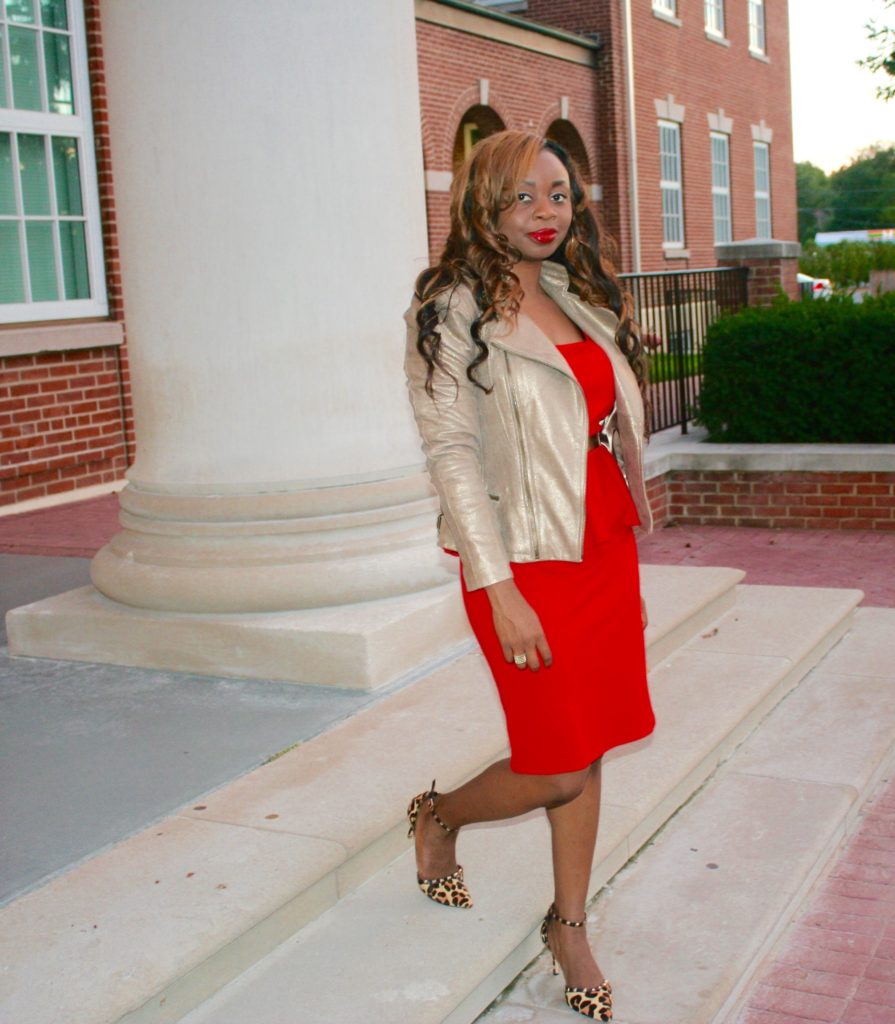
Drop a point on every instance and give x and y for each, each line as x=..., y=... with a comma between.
x=674, y=310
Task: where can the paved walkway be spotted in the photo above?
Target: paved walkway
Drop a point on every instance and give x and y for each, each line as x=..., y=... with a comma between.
x=820, y=558
x=836, y=962
x=75, y=529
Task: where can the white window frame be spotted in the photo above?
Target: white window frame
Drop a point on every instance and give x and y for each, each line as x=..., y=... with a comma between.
x=722, y=217
x=757, y=41
x=79, y=126
x=671, y=189
x=714, y=17
x=761, y=158
x=666, y=7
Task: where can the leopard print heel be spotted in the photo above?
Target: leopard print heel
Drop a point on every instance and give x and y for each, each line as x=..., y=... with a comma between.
x=595, y=1003
x=450, y=890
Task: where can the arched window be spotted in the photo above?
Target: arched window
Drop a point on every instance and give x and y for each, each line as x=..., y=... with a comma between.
x=477, y=123
x=566, y=134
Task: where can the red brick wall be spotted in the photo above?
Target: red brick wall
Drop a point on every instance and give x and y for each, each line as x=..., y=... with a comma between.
x=702, y=76
x=820, y=500
x=66, y=419
x=767, y=277
x=657, y=496
x=103, y=150
x=60, y=418
x=604, y=18
x=524, y=91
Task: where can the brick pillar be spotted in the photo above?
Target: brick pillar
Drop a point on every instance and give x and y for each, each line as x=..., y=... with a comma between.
x=772, y=266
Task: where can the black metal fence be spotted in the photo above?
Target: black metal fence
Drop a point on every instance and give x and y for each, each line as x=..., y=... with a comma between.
x=674, y=311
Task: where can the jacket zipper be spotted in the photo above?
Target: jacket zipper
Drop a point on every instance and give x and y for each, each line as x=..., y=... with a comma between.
x=582, y=509
x=526, y=484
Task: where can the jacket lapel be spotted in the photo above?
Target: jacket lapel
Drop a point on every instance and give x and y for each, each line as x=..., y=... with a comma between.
x=597, y=322
x=525, y=338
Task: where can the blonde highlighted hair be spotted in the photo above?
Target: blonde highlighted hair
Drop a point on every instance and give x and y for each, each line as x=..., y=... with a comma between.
x=478, y=255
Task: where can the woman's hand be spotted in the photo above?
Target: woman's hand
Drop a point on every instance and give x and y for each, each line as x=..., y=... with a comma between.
x=517, y=626
x=644, y=618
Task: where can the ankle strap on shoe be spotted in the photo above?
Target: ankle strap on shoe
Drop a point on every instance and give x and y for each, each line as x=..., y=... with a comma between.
x=552, y=914
x=430, y=796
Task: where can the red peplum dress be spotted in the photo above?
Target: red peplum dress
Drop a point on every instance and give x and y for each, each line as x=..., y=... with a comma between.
x=594, y=696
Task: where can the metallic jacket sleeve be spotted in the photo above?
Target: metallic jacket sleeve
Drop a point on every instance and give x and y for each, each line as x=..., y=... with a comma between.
x=448, y=423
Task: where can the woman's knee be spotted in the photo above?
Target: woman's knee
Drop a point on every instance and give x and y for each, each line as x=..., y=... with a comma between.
x=566, y=787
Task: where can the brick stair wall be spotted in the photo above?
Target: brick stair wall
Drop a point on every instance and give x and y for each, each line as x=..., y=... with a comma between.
x=797, y=500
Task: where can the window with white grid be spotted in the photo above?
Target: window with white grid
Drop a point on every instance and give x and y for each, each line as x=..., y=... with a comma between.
x=666, y=6
x=50, y=243
x=714, y=17
x=756, y=26
x=671, y=183
x=721, y=187
x=762, y=155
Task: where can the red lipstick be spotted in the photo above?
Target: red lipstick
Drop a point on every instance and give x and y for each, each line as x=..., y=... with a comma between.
x=545, y=236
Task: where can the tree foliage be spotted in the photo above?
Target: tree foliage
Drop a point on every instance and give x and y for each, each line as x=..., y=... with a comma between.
x=864, y=191
x=859, y=195
x=846, y=264
x=815, y=199
x=883, y=59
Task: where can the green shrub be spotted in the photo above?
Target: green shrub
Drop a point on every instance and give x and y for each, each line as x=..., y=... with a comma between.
x=802, y=372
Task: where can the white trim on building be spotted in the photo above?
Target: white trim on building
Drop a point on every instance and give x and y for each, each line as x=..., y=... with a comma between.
x=50, y=234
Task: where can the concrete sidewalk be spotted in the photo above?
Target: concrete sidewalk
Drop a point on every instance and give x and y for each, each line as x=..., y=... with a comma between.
x=112, y=749
x=93, y=754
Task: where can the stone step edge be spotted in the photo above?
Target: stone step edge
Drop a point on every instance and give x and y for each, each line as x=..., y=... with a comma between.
x=709, y=768
x=843, y=831
x=181, y=994
x=391, y=842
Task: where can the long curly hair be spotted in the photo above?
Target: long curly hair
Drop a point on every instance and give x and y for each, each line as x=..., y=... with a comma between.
x=478, y=255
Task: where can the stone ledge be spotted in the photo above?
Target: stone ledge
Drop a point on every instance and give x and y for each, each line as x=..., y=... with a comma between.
x=671, y=450
x=362, y=646
x=23, y=341
x=758, y=249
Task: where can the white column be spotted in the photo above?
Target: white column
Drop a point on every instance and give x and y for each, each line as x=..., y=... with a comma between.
x=270, y=201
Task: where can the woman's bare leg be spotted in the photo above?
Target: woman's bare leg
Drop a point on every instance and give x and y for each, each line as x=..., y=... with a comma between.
x=493, y=795
x=574, y=835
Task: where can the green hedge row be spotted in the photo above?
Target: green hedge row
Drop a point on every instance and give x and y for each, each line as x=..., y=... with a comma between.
x=802, y=372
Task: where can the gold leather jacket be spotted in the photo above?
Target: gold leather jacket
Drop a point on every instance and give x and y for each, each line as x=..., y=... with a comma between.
x=509, y=467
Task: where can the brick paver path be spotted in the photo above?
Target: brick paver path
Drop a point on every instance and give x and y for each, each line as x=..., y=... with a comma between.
x=77, y=528
x=836, y=963
x=810, y=558
x=863, y=559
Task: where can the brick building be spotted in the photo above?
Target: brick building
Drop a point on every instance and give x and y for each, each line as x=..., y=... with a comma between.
x=679, y=111
x=704, y=83
x=65, y=405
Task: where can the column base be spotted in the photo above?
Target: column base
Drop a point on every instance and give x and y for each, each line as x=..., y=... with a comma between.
x=357, y=646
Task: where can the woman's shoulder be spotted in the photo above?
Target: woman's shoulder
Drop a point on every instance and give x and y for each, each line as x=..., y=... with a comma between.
x=457, y=300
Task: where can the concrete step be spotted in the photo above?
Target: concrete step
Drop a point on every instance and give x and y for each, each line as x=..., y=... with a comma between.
x=150, y=928
x=386, y=952
x=682, y=929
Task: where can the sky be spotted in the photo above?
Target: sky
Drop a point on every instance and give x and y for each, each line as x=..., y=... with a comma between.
x=835, y=111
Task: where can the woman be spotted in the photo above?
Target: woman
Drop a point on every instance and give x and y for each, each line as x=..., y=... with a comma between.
x=524, y=371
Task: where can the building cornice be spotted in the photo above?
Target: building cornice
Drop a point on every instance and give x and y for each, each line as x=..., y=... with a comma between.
x=472, y=19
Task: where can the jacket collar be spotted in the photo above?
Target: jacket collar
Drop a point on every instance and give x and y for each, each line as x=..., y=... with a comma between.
x=525, y=338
